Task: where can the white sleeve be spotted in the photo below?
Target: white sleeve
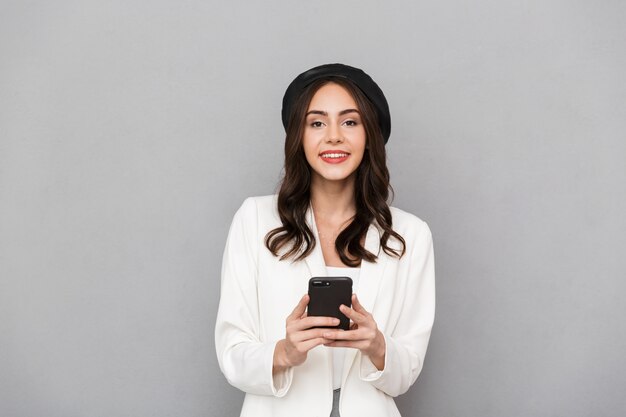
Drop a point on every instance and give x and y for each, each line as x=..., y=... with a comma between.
x=244, y=359
x=406, y=345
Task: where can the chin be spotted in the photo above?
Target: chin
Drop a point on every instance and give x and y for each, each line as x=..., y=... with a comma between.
x=335, y=177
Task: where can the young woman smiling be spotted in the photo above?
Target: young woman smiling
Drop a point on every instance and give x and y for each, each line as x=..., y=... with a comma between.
x=330, y=217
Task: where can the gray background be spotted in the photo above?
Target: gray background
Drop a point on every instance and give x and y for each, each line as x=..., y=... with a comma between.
x=130, y=131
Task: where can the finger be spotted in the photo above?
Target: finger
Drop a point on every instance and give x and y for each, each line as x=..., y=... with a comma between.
x=305, y=335
x=300, y=308
x=357, y=306
x=310, y=344
x=314, y=321
x=346, y=343
x=353, y=315
x=344, y=335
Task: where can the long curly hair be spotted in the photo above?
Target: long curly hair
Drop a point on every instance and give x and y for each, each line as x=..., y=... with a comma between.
x=295, y=239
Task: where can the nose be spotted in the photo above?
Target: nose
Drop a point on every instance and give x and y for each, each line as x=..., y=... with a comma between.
x=334, y=134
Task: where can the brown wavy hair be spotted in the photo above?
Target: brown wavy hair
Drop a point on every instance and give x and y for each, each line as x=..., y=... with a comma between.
x=294, y=238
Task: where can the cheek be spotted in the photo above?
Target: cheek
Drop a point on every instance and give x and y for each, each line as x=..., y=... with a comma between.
x=359, y=143
x=359, y=159
x=310, y=151
x=310, y=158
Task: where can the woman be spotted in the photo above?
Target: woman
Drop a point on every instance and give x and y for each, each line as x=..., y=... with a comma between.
x=331, y=217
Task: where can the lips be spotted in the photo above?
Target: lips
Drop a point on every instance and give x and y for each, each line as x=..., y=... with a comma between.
x=334, y=156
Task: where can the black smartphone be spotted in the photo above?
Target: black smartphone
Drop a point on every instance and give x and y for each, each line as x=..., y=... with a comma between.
x=326, y=294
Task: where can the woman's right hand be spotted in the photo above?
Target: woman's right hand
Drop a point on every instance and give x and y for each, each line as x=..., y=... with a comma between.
x=302, y=334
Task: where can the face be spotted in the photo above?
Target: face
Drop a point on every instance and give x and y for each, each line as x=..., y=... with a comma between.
x=334, y=135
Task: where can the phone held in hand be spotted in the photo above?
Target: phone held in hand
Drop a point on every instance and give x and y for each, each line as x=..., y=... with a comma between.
x=326, y=294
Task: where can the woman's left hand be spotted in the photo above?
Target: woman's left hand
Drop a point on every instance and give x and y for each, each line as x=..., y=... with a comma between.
x=363, y=334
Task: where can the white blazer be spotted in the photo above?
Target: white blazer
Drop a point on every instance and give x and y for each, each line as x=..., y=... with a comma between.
x=258, y=292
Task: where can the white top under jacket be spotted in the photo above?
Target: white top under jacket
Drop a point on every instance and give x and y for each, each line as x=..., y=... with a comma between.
x=339, y=353
x=258, y=292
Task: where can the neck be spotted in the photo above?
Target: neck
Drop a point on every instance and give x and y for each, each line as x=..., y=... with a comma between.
x=333, y=199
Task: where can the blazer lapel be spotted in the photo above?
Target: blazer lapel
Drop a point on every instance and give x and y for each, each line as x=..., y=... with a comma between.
x=315, y=260
x=370, y=278
x=371, y=272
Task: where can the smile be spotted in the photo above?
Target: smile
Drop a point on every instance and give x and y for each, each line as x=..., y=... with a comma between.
x=334, y=157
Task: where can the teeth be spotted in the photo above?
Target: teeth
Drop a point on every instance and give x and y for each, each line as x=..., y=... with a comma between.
x=335, y=155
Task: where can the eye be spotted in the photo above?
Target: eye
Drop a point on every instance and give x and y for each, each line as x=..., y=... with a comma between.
x=350, y=123
x=316, y=123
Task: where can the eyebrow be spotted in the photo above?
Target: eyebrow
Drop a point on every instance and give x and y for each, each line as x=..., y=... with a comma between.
x=323, y=113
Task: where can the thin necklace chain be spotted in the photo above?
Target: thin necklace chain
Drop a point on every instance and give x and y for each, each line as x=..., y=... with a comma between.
x=329, y=239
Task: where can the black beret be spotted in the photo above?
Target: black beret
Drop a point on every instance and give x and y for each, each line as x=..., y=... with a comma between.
x=363, y=81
